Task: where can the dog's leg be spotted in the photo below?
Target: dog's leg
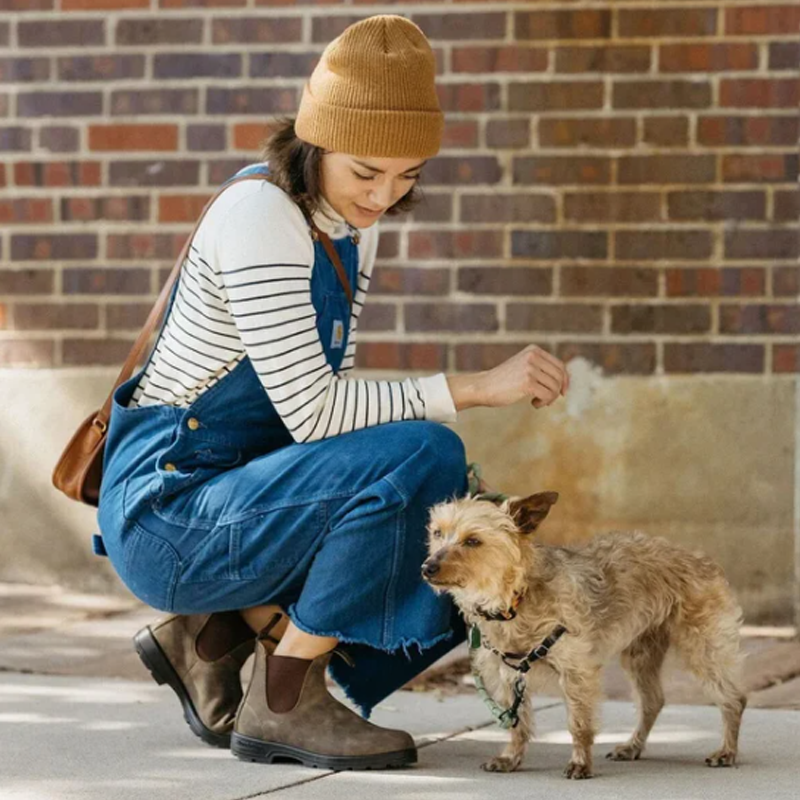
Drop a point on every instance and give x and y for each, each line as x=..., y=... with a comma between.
x=581, y=692
x=501, y=686
x=712, y=653
x=642, y=660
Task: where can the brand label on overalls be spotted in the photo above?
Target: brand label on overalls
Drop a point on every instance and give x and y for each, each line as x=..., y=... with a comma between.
x=337, y=337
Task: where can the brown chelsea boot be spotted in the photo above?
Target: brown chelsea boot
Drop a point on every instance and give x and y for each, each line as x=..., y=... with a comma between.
x=200, y=657
x=317, y=730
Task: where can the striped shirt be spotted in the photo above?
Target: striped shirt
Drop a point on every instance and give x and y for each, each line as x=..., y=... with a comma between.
x=245, y=290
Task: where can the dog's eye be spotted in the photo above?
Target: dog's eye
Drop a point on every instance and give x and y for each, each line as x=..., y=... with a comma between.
x=472, y=542
x=436, y=533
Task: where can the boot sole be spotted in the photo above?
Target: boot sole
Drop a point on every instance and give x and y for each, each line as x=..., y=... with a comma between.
x=153, y=657
x=249, y=749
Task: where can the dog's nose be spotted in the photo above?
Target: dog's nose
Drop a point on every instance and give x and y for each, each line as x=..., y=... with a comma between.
x=429, y=569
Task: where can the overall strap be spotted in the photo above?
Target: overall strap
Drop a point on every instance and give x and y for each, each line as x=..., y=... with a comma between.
x=157, y=311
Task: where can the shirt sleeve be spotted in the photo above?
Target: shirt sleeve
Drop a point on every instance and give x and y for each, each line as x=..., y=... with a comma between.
x=264, y=257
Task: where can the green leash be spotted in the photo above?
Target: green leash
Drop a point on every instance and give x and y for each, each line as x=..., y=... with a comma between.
x=473, y=478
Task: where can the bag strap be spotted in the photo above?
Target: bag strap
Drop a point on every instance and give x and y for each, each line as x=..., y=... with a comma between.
x=103, y=415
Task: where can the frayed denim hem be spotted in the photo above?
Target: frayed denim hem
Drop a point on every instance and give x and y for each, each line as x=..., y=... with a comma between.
x=340, y=673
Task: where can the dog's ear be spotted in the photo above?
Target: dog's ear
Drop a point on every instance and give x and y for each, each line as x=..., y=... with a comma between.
x=528, y=512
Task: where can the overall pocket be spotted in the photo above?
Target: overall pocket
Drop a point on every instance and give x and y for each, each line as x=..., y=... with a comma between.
x=150, y=568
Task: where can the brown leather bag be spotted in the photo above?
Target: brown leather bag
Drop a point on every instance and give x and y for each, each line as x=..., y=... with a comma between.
x=79, y=470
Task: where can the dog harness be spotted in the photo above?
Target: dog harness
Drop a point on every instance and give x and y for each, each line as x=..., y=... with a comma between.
x=509, y=717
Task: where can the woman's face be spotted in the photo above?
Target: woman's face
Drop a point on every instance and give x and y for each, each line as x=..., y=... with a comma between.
x=356, y=185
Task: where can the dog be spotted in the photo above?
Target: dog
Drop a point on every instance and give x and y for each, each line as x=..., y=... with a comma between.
x=623, y=593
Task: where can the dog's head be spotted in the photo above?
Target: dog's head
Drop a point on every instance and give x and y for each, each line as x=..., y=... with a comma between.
x=476, y=547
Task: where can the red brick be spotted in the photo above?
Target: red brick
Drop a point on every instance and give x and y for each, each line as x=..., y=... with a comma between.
x=759, y=93
x=612, y=206
x=503, y=280
x=775, y=318
x=539, y=96
x=26, y=281
x=112, y=138
x=716, y=205
x=715, y=281
x=779, y=243
x=460, y=133
x=707, y=57
x=707, y=357
x=760, y=130
x=785, y=358
x=660, y=318
x=769, y=167
x=554, y=317
x=88, y=352
x=378, y=317
x=786, y=281
x=561, y=169
x=450, y=317
x=662, y=94
x=508, y=133
x=57, y=173
x=181, y=207
x=499, y=59
x=526, y=207
x=410, y=281
x=563, y=243
x=667, y=131
x=759, y=20
x=786, y=205
x=608, y=282
x=55, y=316
x=464, y=97
x=597, y=132
x=666, y=169
x=401, y=355
x=667, y=22
x=424, y=244
x=676, y=244
x=605, y=58
x=563, y=24
x=27, y=211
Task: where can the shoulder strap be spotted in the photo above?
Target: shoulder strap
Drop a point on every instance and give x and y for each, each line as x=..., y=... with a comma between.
x=158, y=309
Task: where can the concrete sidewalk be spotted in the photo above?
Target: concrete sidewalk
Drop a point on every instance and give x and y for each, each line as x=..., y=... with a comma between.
x=80, y=719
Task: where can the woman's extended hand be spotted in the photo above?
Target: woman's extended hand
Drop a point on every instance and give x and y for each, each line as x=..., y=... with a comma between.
x=533, y=373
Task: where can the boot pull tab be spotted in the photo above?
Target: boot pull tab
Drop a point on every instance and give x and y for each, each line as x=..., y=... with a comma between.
x=348, y=659
x=263, y=634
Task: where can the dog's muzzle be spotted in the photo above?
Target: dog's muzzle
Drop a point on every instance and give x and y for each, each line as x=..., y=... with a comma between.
x=430, y=569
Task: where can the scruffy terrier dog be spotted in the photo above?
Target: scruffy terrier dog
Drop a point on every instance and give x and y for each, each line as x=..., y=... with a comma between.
x=622, y=593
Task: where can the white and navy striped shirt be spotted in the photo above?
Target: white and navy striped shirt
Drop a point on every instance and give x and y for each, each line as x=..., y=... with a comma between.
x=245, y=290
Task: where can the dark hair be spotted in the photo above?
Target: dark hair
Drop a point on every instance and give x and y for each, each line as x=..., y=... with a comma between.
x=294, y=167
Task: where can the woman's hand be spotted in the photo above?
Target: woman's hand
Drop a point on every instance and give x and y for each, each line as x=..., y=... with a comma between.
x=533, y=373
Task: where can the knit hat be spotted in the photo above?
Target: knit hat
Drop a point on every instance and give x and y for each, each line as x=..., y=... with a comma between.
x=372, y=93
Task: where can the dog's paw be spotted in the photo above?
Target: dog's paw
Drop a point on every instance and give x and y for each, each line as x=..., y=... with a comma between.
x=625, y=752
x=500, y=764
x=577, y=772
x=721, y=758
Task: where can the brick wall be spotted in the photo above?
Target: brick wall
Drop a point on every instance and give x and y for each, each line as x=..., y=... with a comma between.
x=617, y=179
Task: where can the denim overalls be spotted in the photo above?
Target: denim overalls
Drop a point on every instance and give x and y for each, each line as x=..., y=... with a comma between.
x=215, y=507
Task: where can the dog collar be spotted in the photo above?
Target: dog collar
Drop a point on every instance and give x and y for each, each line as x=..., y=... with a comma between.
x=502, y=616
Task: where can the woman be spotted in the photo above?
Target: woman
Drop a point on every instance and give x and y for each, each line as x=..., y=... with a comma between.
x=247, y=479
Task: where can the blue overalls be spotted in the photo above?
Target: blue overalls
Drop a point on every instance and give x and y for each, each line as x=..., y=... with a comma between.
x=215, y=507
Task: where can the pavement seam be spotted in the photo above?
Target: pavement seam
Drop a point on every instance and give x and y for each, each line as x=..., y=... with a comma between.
x=328, y=773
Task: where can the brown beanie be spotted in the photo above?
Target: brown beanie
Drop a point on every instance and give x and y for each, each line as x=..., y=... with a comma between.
x=373, y=93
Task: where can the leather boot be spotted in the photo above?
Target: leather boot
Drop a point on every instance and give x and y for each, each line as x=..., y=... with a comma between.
x=318, y=731
x=200, y=657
